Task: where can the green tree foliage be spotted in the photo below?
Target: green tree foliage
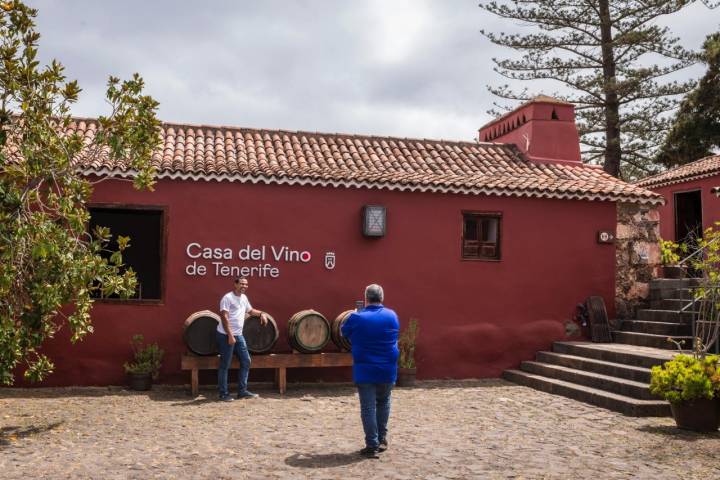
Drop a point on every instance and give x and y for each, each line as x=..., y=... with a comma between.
x=50, y=266
x=611, y=59
x=696, y=129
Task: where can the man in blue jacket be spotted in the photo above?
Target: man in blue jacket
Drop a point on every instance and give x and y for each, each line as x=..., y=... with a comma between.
x=373, y=333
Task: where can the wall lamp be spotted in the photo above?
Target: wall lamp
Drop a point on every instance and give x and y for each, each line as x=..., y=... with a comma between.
x=374, y=221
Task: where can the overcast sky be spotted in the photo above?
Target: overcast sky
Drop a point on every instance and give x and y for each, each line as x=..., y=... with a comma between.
x=381, y=67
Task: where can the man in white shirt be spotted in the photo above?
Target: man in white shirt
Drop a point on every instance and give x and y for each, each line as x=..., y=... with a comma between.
x=233, y=308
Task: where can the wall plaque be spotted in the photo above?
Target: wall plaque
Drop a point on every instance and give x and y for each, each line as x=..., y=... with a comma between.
x=606, y=236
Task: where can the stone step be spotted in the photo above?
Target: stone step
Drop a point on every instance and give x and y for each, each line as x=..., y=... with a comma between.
x=630, y=372
x=650, y=340
x=656, y=294
x=612, y=401
x=656, y=328
x=631, y=355
x=675, y=304
x=622, y=386
x=670, y=316
x=684, y=293
x=666, y=283
x=661, y=293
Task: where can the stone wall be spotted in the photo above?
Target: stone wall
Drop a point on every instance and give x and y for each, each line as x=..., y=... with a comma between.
x=637, y=256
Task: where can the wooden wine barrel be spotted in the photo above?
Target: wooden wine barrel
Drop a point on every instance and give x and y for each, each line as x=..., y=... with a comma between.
x=342, y=343
x=308, y=331
x=199, y=332
x=260, y=338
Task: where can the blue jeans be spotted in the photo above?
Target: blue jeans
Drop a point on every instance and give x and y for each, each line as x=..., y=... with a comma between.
x=226, y=354
x=374, y=411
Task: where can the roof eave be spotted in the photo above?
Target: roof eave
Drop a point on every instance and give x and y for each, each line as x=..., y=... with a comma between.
x=652, y=199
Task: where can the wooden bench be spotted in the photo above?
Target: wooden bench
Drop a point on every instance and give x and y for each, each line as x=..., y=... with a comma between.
x=278, y=361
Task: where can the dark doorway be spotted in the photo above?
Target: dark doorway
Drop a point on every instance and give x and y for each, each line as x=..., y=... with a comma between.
x=688, y=217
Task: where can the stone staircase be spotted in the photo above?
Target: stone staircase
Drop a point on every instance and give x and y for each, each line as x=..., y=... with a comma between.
x=617, y=375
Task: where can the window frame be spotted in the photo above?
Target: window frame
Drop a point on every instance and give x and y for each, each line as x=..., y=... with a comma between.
x=163, y=250
x=479, y=215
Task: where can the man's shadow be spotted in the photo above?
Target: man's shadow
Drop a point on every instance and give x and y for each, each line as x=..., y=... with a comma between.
x=323, y=460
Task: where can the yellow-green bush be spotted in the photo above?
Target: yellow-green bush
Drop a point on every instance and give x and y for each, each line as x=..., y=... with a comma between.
x=687, y=378
x=670, y=252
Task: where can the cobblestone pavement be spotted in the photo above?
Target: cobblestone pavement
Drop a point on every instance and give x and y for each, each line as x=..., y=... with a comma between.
x=438, y=430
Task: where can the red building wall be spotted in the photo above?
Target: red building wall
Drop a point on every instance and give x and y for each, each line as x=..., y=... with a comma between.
x=476, y=318
x=710, y=204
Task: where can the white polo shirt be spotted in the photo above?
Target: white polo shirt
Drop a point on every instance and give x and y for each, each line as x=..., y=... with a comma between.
x=237, y=307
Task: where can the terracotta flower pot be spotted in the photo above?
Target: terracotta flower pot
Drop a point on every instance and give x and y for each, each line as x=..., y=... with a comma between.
x=673, y=271
x=140, y=381
x=701, y=415
x=406, y=377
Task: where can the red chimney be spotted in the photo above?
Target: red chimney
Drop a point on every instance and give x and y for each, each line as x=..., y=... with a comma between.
x=542, y=128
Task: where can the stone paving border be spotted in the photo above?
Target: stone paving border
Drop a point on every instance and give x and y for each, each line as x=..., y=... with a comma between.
x=439, y=430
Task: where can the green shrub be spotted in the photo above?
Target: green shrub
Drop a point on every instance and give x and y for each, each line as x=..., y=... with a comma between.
x=147, y=358
x=687, y=378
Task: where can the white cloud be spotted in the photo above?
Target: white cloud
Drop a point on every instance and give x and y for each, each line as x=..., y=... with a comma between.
x=409, y=68
x=396, y=30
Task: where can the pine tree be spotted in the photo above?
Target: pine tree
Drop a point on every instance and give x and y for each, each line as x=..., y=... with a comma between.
x=601, y=53
x=696, y=129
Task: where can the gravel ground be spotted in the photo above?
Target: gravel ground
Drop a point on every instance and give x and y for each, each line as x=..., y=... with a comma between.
x=438, y=430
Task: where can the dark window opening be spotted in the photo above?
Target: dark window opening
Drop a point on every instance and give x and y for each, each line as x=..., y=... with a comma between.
x=481, y=236
x=554, y=115
x=145, y=253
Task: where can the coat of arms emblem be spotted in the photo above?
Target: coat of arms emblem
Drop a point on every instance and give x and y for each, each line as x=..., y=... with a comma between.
x=330, y=260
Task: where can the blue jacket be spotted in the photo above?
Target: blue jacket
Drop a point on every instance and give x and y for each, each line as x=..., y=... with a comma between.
x=373, y=333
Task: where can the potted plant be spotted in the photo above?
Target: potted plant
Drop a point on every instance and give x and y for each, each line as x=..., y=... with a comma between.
x=692, y=386
x=146, y=364
x=406, y=361
x=670, y=258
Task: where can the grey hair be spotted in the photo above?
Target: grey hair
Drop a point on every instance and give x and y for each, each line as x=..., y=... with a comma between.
x=374, y=293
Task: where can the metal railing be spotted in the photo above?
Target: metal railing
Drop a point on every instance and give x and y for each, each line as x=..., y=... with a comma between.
x=705, y=321
x=684, y=261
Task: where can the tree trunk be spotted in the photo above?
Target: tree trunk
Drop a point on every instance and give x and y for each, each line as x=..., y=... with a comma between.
x=612, y=107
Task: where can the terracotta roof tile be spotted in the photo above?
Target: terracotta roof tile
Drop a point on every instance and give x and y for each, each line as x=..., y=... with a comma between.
x=305, y=158
x=705, y=167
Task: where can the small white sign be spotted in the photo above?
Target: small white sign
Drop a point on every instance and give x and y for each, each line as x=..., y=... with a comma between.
x=330, y=260
x=605, y=236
